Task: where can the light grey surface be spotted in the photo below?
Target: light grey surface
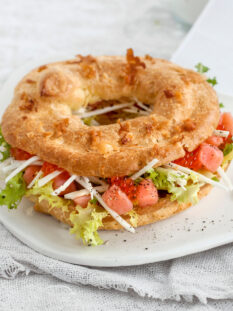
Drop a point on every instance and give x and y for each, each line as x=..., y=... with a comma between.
x=199, y=282
x=30, y=281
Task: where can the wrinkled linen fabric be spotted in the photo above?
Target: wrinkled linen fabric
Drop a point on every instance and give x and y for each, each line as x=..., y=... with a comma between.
x=31, y=281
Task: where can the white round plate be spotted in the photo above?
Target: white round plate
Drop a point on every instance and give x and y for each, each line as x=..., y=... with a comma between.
x=203, y=226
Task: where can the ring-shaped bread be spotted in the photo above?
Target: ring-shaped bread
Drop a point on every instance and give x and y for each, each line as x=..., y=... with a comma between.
x=39, y=120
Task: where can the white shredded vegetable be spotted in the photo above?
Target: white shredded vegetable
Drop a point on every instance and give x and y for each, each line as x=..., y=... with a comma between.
x=6, y=162
x=141, y=105
x=200, y=176
x=137, y=111
x=38, y=163
x=102, y=110
x=144, y=169
x=97, y=180
x=117, y=217
x=221, y=133
x=43, y=181
x=225, y=178
x=87, y=184
x=94, y=123
x=81, y=110
x=14, y=164
x=65, y=185
x=80, y=193
x=114, y=215
x=38, y=175
x=22, y=167
x=144, y=107
x=76, y=194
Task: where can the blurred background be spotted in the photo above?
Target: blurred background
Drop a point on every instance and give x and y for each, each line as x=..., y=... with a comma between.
x=36, y=29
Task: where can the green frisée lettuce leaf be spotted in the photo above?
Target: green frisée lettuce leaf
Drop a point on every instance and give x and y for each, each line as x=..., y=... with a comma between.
x=190, y=195
x=45, y=193
x=86, y=222
x=164, y=178
x=201, y=68
x=228, y=155
x=88, y=120
x=133, y=217
x=227, y=149
x=15, y=189
x=183, y=187
x=4, y=148
x=212, y=81
x=13, y=192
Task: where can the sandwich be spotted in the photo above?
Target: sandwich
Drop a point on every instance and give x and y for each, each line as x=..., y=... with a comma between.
x=113, y=142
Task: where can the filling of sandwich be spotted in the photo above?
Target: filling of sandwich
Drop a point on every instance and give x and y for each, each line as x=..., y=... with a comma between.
x=109, y=112
x=95, y=198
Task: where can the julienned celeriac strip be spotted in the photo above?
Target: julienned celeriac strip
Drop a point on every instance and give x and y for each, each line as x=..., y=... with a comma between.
x=221, y=133
x=21, y=167
x=65, y=185
x=82, y=192
x=38, y=175
x=43, y=181
x=135, y=107
x=145, y=169
x=102, y=111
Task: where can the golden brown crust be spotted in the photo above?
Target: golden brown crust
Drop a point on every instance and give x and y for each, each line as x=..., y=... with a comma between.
x=39, y=119
x=163, y=209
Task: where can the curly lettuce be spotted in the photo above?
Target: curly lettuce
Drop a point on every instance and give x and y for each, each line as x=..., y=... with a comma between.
x=86, y=222
x=15, y=189
x=45, y=193
x=133, y=217
x=13, y=192
x=227, y=149
x=88, y=121
x=228, y=155
x=203, y=69
x=4, y=148
x=190, y=194
x=183, y=187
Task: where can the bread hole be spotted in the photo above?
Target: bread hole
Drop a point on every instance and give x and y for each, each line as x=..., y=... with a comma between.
x=107, y=112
